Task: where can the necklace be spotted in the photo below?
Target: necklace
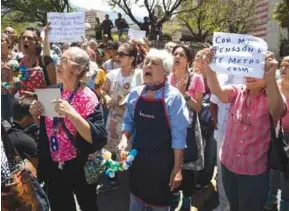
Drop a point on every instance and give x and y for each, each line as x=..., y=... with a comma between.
x=23, y=74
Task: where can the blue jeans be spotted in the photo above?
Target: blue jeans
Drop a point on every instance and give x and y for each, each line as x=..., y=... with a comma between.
x=245, y=192
x=137, y=205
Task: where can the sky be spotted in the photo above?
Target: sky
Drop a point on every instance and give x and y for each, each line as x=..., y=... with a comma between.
x=103, y=6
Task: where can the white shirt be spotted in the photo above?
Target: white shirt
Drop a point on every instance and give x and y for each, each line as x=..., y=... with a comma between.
x=223, y=108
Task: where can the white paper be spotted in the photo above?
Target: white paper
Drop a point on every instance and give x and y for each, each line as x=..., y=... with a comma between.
x=136, y=34
x=45, y=96
x=66, y=27
x=239, y=54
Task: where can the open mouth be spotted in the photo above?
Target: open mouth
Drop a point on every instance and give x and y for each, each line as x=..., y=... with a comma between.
x=25, y=46
x=177, y=62
x=148, y=74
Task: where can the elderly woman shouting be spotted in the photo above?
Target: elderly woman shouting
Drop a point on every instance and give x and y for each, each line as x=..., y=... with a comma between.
x=244, y=153
x=67, y=141
x=156, y=114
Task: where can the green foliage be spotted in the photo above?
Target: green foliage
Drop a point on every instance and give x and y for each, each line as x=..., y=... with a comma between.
x=281, y=13
x=203, y=21
x=9, y=20
x=215, y=15
x=32, y=10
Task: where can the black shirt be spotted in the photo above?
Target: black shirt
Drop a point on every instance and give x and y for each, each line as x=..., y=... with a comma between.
x=25, y=144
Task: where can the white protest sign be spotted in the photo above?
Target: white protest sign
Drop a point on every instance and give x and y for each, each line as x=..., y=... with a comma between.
x=136, y=34
x=239, y=54
x=66, y=27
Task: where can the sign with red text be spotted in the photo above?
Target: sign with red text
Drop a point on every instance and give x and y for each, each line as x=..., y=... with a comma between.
x=239, y=54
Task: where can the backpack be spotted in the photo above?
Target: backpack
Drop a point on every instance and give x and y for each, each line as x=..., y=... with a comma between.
x=205, y=117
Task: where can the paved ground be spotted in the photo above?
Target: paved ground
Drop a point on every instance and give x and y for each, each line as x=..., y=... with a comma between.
x=118, y=200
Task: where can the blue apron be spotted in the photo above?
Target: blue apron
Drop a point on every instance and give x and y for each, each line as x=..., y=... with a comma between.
x=150, y=171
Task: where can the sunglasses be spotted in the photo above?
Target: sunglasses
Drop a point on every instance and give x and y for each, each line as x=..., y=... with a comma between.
x=122, y=54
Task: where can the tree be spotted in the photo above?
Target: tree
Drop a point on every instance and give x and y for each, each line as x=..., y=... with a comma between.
x=281, y=14
x=203, y=21
x=33, y=10
x=156, y=16
x=240, y=16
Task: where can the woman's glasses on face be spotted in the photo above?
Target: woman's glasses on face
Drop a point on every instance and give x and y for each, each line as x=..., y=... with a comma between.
x=122, y=54
x=64, y=60
x=29, y=39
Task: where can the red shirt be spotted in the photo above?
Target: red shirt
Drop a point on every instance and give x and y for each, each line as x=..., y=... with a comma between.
x=246, y=143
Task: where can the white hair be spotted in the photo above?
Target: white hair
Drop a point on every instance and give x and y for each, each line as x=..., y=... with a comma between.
x=92, y=42
x=164, y=56
x=81, y=57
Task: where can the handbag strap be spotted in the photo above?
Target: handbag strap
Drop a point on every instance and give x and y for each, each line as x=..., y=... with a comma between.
x=70, y=137
x=273, y=131
x=11, y=152
x=187, y=88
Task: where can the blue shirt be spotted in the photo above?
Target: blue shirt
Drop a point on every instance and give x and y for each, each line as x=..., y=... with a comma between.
x=175, y=104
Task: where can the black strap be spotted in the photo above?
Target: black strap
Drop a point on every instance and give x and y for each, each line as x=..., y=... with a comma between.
x=273, y=131
x=189, y=81
x=187, y=87
x=11, y=152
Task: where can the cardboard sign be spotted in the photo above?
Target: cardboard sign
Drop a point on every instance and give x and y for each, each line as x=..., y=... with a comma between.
x=239, y=54
x=66, y=27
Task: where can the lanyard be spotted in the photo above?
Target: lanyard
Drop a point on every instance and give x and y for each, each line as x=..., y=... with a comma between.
x=56, y=120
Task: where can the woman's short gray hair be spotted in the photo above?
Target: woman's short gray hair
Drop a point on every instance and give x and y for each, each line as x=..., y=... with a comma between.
x=81, y=58
x=164, y=56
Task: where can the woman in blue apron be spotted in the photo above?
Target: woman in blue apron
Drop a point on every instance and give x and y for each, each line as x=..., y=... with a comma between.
x=150, y=172
x=157, y=116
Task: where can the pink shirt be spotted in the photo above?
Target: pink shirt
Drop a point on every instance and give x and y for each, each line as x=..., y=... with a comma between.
x=248, y=134
x=84, y=102
x=197, y=84
x=285, y=119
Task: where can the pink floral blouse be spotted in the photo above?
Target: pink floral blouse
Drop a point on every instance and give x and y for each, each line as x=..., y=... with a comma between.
x=84, y=102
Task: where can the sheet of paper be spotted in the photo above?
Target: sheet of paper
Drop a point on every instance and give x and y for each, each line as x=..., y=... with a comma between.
x=136, y=34
x=239, y=54
x=66, y=27
x=45, y=96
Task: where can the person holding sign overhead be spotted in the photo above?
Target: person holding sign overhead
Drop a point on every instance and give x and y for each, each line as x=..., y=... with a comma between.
x=244, y=153
x=66, y=141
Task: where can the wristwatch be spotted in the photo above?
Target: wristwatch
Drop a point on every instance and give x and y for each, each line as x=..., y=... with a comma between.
x=187, y=98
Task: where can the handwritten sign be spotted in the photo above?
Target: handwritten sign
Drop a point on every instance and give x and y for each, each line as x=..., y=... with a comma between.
x=239, y=54
x=136, y=34
x=66, y=27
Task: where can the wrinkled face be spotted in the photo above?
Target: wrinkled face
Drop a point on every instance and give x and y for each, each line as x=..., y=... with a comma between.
x=4, y=46
x=153, y=71
x=11, y=33
x=284, y=68
x=28, y=42
x=180, y=58
x=66, y=68
x=123, y=56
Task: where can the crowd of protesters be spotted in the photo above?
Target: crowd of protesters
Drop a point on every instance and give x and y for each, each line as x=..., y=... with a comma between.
x=183, y=117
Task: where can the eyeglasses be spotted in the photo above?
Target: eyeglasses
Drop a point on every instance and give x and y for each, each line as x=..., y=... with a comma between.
x=122, y=54
x=29, y=39
x=64, y=60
